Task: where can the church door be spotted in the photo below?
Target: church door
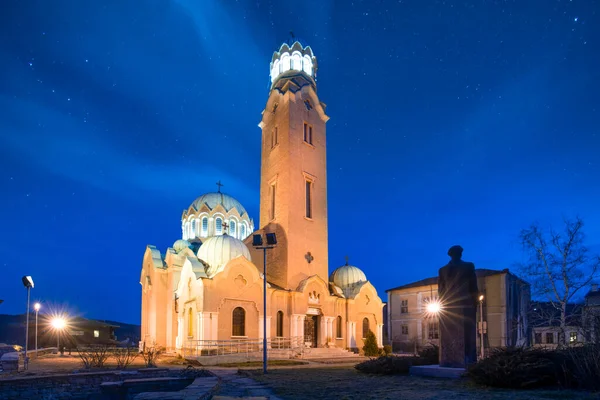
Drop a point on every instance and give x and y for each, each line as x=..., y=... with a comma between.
x=310, y=330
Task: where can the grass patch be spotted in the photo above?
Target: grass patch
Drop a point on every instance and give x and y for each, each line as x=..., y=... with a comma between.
x=254, y=364
x=349, y=384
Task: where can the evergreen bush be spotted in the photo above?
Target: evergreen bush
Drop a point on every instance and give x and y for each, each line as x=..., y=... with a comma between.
x=370, y=348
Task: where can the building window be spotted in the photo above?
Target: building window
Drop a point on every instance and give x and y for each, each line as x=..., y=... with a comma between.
x=338, y=333
x=190, y=323
x=550, y=337
x=365, y=329
x=308, y=133
x=308, y=185
x=239, y=322
x=232, y=228
x=537, y=338
x=204, y=226
x=243, y=231
x=96, y=333
x=272, y=211
x=218, y=226
x=193, y=228
x=297, y=61
x=433, y=330
x=573, y=337
x=274, y=137
x=279, y=323
x=404, y=329
x=404, y=307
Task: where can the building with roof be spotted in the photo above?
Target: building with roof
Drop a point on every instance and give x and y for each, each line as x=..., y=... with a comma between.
x=412, y=325
x=208, y=286
x=546, y=324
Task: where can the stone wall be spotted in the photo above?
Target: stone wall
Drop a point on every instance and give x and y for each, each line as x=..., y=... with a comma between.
x=69, y=386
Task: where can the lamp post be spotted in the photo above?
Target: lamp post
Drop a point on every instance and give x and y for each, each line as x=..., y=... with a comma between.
x=482, y=349
x=28, y=283
x=36, y=307
x=257, y=242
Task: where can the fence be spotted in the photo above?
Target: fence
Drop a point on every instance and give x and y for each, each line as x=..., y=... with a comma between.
x=200, y=348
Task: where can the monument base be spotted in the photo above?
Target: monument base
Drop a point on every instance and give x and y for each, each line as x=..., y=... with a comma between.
x=435, y=371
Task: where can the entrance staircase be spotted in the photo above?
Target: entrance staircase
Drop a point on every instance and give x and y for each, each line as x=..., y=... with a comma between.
x=332, y=355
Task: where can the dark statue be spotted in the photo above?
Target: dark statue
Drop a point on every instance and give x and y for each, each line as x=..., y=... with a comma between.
x=458, y=294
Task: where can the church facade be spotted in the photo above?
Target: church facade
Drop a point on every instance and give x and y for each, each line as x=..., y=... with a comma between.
x=209, y=285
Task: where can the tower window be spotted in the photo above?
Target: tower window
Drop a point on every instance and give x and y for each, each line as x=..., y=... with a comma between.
x=274, y=138
x=232, y=228
x=308, y=185
x=297, y=61
x=204, y=226
x=308, y=133
x=218, y=226
x=238, y=322
x=279, y=323
x=272, y=211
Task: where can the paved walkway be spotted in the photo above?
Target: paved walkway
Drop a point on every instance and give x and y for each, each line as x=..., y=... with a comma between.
x=234, y=386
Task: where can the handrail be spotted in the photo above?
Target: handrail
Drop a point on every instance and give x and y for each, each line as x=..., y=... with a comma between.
x=200, y=348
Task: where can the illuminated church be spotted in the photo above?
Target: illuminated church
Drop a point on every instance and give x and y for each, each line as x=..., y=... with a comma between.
x=209, y=284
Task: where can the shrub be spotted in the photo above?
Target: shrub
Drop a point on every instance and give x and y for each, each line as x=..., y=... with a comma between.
x=582, y=367
x=370, y=348
x=125, y=356
x=430, y=354
x=387, y=350
x=150, y=355
x=93, y=356
x=386, y=365
x=520, y=368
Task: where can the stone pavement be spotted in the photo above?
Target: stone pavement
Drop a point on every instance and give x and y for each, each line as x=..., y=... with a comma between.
x=234, y=386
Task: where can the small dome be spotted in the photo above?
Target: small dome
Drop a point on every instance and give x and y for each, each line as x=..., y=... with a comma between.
x=217, y=251
x=347, y=276
x=215, y=198
x=180, y=245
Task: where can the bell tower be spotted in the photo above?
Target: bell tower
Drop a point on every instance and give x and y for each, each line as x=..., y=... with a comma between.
x=293, y=187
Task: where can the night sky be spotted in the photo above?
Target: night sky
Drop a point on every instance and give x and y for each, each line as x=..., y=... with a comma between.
x=452, y=122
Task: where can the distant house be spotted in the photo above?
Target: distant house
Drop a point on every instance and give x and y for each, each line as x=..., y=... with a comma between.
x=78, y=332
x=545, y=322
x=410, y=326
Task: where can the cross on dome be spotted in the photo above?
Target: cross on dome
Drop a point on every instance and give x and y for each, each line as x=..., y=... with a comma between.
x=225, y=225
x=219, y=184
x=347, y=258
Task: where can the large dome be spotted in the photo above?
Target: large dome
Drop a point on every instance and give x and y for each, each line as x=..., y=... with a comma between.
x=347, y=276
x=217, y=251
x=215, y=198
x=180, y=245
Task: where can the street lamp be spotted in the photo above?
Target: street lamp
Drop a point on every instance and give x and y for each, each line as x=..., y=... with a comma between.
x=257, y=242
x=59, y=324
x=36, y=307
x=481, y=329
x=28, y=283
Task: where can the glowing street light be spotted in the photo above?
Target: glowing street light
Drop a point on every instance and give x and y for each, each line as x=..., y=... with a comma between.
x=481, y=330
x=434, y=307
x=36, y=307
x=58, y=324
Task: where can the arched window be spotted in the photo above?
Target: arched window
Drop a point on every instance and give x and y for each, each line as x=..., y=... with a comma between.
x=275, y=70
x=243, y=231
x=338, y=327
x=218, y=226
x=190, y=323
x=232, y=229
x=279, y=323
x=239, y=322
x=204, y=226
x=307, y=65
x=365, y=327
x=193, y=228
x=285, y=62
x=297, y=61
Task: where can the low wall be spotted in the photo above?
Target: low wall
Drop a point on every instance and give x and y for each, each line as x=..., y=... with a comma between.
x=69, y=386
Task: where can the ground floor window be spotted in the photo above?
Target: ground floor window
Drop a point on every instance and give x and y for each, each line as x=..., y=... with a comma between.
x=537, y=338
x=550, y=337
x=238, y=322
x=365, y=327
x=404, y=329
x=279, y=323
x=573, y=337
x=339, y=327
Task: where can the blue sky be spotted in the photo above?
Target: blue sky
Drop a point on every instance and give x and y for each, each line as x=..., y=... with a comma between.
x=451, y=123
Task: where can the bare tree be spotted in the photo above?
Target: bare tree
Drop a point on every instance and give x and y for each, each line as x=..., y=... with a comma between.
x=559, y=265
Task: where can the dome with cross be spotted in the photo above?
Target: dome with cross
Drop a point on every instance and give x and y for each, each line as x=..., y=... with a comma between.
x=214, y=214
x=217, y=251
x=348, y=278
